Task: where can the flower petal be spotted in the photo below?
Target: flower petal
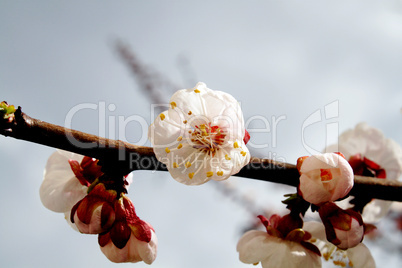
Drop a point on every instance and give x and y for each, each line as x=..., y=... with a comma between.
x=252, y=246
x=133, y=251
x=375, y=210
x=60, y=189
x=147, y=251
x=291, y=255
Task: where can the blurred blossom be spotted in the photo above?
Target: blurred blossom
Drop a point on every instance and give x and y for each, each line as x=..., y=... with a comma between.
x=201, y=137
x=356, y=257
x=371, y=154
x=284, y=244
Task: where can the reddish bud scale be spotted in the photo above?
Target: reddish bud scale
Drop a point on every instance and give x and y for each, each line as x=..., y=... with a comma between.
x=84, y=209
x=300, y=161
x=91, y=169
x=140, y=229
x=103, y=239
x=365, y=167
x=126, y=223
x=246, y=136
x=87, y=171
x=77, y=170
x=288, y=227
x=120, y=234
x=289, y=223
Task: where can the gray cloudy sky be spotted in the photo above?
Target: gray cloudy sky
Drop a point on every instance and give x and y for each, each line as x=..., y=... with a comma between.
x=283, y=60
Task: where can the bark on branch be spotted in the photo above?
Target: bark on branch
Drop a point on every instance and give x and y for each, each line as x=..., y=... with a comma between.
x=122, y=157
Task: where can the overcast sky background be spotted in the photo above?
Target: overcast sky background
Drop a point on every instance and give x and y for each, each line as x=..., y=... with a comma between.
x=281, y=59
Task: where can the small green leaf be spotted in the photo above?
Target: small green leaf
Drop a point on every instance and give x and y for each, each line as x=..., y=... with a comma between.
x=6, y=110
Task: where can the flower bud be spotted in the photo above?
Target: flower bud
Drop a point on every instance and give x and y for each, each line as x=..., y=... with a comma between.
x=95, y=214
x=130, y=239
x=135, y=250
x=324, y=177
x=344, y=228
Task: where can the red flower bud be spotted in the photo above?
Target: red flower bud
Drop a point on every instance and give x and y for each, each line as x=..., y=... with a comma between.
x=130, y=239
x=343, y=228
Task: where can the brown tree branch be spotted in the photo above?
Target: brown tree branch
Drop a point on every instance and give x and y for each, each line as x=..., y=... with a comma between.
x=122, y=157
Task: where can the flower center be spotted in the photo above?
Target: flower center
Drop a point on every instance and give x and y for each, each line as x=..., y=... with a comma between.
x=326, y=175
x=337, y=256
x=207, y=138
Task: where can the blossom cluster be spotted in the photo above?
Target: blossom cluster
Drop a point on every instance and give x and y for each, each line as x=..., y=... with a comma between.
x=75, y=185
x=325, y=183
x=324, y=179
x=202, y=137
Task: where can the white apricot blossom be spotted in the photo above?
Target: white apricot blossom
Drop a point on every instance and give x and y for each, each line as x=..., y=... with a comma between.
x=201, y=136
x=325, y=177
x=258, y=246
x=370, y=153
x=356, y=257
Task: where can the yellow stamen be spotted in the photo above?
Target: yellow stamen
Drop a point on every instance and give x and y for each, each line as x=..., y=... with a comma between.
x=219, y=173
x=162, y=116
x=243, y=153
x=210, y=174
x=180, y=145
x=197, y=91
x=340, y=263
x=227, y=157
x=188, y=164
x=173, y=104
x=189, y=113
x=179, y=138
x=191, y=175
x=175, y=165
x=235, y=145
x=185, y=121
x=167, y=150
